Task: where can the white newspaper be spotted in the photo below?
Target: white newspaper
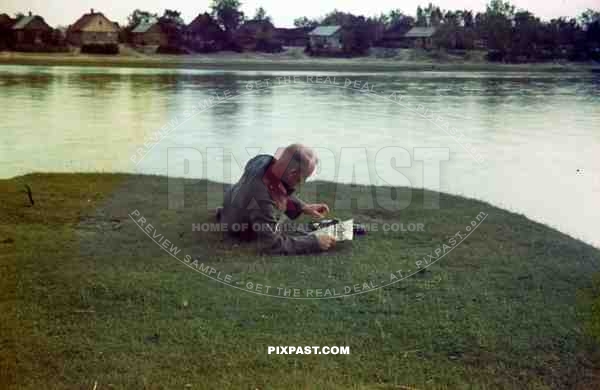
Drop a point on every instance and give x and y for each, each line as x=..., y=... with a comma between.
x=343, y=231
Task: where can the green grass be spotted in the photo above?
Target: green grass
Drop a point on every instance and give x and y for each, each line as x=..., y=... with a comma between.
x=88, y=298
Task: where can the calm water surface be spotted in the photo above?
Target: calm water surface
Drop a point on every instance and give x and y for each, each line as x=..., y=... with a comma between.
x=533, y=131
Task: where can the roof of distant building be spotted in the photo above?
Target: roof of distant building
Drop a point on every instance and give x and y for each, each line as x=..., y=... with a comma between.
x=23, y=22
x=86, y=18
x=420, y=32
x=144, y=26
x=325, y=31
x=204, y=24
x=6, y=21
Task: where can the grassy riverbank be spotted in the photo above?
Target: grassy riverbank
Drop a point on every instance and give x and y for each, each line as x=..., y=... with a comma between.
x=88, y=298
x=292, y=60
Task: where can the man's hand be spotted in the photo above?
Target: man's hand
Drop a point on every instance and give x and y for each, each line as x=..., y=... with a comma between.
x=316, y=211
x=326, y=241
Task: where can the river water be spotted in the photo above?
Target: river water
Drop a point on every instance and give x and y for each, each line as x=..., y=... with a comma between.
x=528, y=142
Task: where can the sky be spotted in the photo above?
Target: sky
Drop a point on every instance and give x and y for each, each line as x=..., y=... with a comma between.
x=283, y=12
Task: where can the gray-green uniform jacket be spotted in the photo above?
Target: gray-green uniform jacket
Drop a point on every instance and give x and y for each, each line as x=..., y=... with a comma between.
x=250, y=212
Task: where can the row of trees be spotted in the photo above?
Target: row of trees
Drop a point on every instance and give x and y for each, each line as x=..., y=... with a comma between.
x=226, y=13
x=510, y=35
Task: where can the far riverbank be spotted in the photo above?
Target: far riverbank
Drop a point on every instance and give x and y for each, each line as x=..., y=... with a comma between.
x=293, y=60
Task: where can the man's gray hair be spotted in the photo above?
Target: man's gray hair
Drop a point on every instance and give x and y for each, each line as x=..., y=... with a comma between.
x=302, y=156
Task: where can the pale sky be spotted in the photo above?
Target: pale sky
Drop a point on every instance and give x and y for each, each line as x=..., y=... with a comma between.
x=283, y=12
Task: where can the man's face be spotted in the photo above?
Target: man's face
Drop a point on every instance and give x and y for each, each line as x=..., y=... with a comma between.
x=311, y=170
x=297, y=173
x=296, y=177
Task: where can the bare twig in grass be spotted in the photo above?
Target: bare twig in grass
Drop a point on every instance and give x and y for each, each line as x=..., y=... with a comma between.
x=29, y=194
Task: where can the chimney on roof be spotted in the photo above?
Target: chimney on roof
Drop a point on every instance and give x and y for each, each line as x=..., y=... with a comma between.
x=91, y=11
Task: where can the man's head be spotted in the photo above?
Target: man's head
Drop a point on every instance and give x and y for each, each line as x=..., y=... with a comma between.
x=294, y=164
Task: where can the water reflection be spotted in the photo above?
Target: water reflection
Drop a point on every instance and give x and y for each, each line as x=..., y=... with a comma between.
x=534, y=130
x=35, y=87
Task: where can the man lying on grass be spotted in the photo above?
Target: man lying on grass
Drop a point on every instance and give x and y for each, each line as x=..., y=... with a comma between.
x=264, y=192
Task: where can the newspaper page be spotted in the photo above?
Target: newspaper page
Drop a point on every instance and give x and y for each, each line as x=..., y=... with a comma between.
x=342, y=231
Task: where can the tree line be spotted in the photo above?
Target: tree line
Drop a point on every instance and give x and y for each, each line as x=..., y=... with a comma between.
x=509, y=34
x=226, y=13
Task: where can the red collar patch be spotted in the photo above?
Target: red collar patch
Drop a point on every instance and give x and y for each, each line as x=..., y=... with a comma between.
x=277, y=190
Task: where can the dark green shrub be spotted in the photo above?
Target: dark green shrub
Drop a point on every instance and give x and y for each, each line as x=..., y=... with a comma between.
x=269, y=46
x=40, y=48
x=168, y=49
x=495, y=56
x=100, y=48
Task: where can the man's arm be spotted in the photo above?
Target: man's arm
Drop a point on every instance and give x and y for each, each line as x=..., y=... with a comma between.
x=276, y=242
x=296, y=207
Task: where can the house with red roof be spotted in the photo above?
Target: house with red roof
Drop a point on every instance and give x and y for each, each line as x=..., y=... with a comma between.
x=6, y=23
x=93, y=28
x=203, y=34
